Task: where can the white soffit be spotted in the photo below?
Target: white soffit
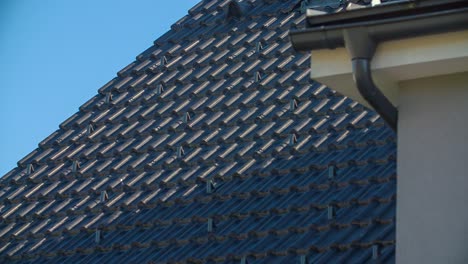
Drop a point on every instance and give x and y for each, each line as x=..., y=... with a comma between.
x=395, y=61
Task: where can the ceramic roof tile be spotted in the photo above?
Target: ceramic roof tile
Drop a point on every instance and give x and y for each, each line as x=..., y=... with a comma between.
x=218, y=100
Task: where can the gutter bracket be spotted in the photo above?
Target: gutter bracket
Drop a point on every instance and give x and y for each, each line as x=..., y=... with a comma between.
x=361, y=48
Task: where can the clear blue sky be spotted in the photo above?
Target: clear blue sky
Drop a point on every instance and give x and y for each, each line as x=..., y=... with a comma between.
x=56, y=54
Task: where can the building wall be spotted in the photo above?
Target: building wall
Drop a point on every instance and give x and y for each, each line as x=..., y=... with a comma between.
x=432, y=193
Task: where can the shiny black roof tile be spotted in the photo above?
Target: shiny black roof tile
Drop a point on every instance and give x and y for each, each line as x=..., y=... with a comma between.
x=220, y=101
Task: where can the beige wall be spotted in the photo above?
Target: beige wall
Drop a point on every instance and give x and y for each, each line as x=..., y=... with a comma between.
x=394, y=61
x=432, y=193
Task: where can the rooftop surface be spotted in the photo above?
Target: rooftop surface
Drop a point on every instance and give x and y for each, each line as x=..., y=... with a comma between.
x=214, y=146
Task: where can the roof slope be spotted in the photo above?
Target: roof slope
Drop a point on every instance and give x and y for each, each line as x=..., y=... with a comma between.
x=212, y=146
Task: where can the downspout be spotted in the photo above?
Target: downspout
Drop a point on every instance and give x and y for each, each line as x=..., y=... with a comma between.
x=361, y=48
x=372, y=94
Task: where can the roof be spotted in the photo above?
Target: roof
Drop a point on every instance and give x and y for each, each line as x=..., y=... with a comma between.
x=213, y=146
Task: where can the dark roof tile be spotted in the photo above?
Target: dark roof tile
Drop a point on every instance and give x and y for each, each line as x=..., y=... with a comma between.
x=215, y=100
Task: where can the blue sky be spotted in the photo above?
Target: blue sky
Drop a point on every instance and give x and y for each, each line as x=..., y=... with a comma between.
x=56, y=54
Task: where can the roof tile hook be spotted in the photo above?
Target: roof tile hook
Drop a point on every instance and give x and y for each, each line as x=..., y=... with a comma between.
x=90, y=129
x=331, y=212
x=104, y=197
x=258, y=77
x=75, y=166
x=293, y=105
x=244, y=260
x=163, y=60
x=258, y=46
x=303, y=259
x=186, y=117
x=108, y=98
x=160, y=89
x=30, y=169
x=98, y=236
x=331, y=172
x=375, y=251
x=210, y=186
x=180, y=151
x=292, y=139
x=211, y=225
